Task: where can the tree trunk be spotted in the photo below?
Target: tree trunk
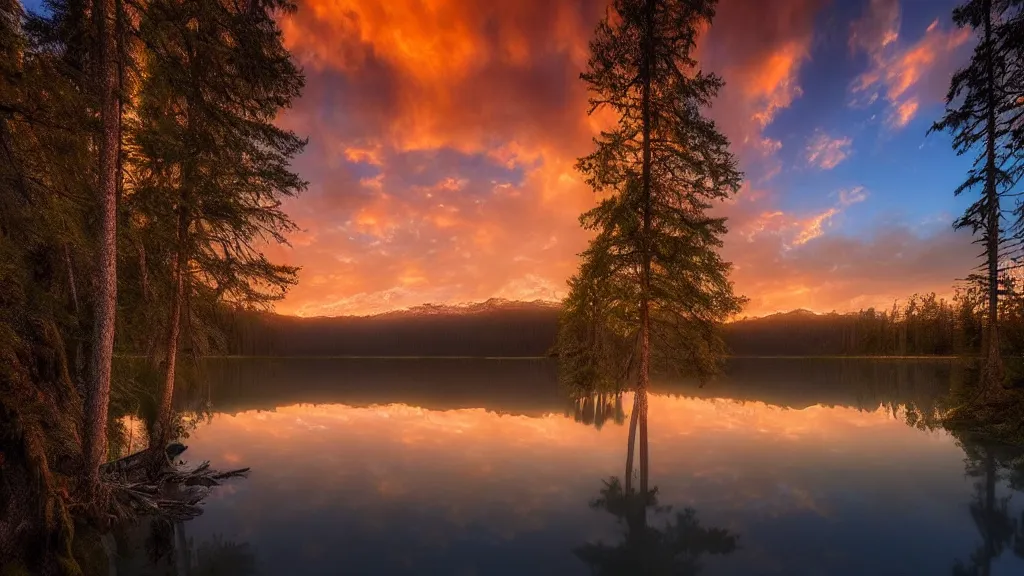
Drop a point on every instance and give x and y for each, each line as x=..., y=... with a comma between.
x=78, y=359
x=162, y=428
x=98, y=389
x=633, y=417
x=643, y=442
x=645, y=252
x=993, y=373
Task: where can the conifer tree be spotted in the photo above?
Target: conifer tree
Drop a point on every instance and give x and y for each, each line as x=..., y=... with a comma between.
x=46, y=194
x=211, y=166
x=97, y=398
x=652, y=289
x=984, y=109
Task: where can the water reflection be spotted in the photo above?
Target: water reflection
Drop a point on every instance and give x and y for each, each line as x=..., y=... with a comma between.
x=990, y=466
x=156, y=547
x=674, y=547
x=596, y=409
x=466, y=467
x=529, y=387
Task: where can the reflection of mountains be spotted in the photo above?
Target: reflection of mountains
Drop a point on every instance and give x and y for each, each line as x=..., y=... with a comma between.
x=526, y=387
x=529, y=387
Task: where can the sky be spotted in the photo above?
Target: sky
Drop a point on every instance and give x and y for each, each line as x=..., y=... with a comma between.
x=443, y=133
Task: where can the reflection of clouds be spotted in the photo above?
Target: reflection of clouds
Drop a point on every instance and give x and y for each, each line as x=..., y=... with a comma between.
x=360, y=479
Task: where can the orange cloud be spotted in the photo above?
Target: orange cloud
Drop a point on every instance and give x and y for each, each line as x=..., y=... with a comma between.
x=826, y=152
x=443, y=136
x=822, y=272
x=785, y=260
x=902, y=114
x=903, y=76
x=775, y=86
x=811, y=228
x=759, y=49
x=878, y=28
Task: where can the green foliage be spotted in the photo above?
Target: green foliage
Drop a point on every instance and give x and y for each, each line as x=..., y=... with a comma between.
x=200, y=85
x=205, y=154
x=44, y=209
x=660, y=169
x=593, y=340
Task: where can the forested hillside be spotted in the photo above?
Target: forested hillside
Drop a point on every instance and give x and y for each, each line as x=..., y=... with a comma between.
x=922, y=325
x=494, y=328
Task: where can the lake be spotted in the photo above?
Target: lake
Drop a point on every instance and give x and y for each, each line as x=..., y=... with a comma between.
x=482, y=467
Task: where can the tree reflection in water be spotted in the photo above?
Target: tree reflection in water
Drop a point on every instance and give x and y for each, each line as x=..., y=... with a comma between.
x=673, y=548
x=166, y=551
x=596, y=409
x=990, y=465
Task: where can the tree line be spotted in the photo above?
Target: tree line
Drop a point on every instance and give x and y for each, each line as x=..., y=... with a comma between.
x=922, y=325
x=141, y=174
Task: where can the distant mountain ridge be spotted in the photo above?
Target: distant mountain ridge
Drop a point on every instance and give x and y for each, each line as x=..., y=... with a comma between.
x=503, y=305
x=489, y=305
x=504, y=328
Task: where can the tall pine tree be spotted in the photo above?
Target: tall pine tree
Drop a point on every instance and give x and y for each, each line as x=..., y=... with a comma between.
x=211, y=166
x=97, y=397
x=652, y=289
x=984, y=111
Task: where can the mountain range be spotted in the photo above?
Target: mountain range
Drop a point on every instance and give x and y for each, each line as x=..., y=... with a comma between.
x=497, y=328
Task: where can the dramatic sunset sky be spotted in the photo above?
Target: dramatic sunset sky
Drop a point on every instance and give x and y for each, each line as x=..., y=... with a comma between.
x=442, y=137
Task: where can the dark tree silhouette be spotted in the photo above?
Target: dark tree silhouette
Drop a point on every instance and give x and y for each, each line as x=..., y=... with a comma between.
x=984, y=110
x=212, y=168
x=652, y=288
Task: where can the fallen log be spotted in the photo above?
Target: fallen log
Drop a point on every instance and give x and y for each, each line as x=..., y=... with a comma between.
x=144, y=461
x=151, y=483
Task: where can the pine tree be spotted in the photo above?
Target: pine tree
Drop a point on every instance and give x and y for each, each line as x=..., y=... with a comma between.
x=46, y=195
x=984, y=112
x=211, y=166
x=97, y=397
x=652, y=274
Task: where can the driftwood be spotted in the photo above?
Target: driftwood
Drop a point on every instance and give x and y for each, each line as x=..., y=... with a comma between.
x=150, y=483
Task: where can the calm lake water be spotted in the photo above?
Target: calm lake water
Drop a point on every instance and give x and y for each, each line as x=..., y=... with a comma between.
x=481, y=467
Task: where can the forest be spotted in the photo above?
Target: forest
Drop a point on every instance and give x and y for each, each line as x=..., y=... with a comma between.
x=141, y=178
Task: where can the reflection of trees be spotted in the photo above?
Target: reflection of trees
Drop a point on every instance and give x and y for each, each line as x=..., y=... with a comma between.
x=220, y=557
x=990, y=465
x=167, y=552
x=596, y=409
x=675, y=547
